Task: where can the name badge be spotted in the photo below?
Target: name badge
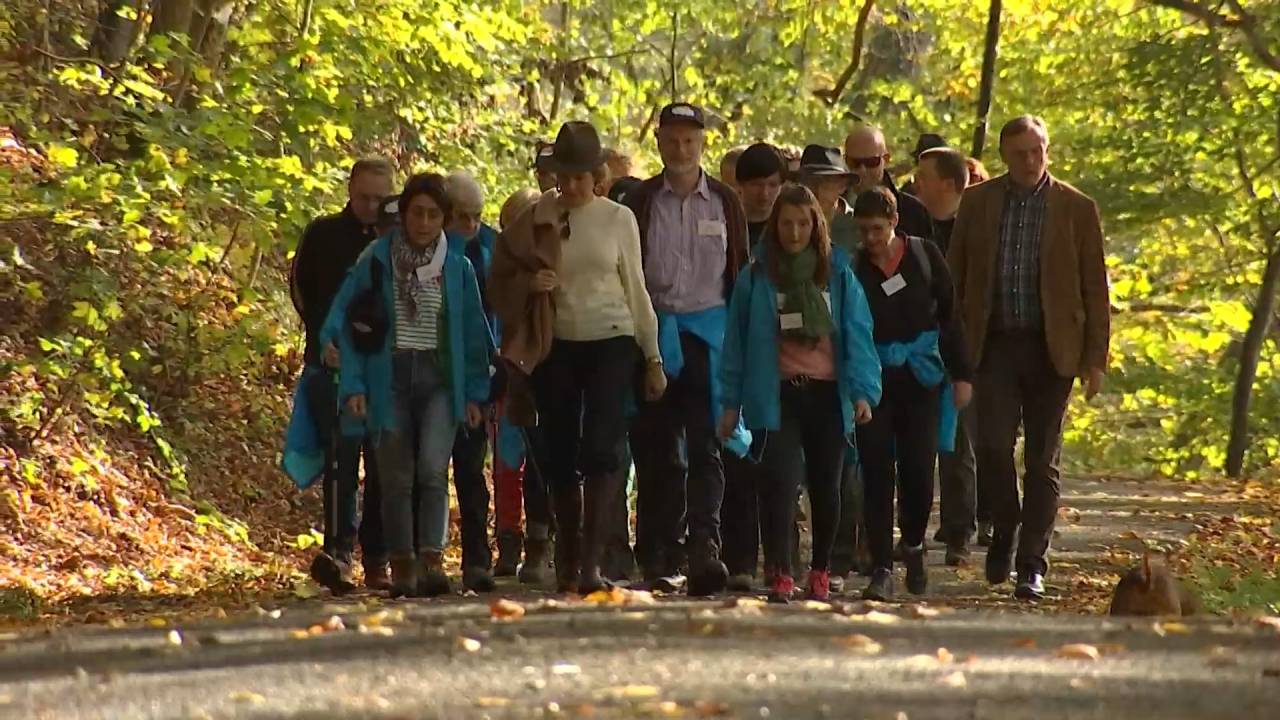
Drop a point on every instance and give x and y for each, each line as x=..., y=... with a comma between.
x=893, y=284
x=711, y=228
x=792, y=321
x=424, y=274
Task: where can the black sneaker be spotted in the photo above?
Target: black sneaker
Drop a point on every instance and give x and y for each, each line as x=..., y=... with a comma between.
x=477, y=579
x=1000, y=556
x=333, y=573
x=1030, y=586
x=881, y=586
x=917, y=575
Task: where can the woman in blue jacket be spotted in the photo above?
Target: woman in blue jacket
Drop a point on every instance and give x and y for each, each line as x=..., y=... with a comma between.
x=415, y=349
x=800, y=368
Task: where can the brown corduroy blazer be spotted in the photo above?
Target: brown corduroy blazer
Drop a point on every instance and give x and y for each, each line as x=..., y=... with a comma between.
x=1073, y=273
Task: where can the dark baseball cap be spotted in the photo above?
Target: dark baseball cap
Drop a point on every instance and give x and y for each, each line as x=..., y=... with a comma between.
x=682, y=113
x=927, y=141
x=759, y=161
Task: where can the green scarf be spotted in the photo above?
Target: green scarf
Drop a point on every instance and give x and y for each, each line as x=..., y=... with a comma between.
x=802, y=295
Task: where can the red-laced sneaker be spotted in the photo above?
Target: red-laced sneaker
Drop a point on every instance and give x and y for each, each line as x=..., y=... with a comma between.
x=819, y=585
x=781, y=588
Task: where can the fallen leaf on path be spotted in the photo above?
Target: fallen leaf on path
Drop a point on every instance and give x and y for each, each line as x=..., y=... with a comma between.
x=875, y=617
x=174, y=637
x=493, y=702
x=1069, y=514
x=1080, y=683
x=944, y=656
x=247, y=697
x=745, y=603
x=1193, y=494
x=381, y=630
x=1078, y=651
x=922, y=612
x=860, y=644
x=565, y=669
x=382, y=617
x=1174, y=628
x=299, y=634
x=306, y=590
x=158, y=622
x=665, y=708
x=1112, y=649
x=1130, y=535
x=1026, y=643
x=1220, y=656
x=467, y=644
x=505, y=610
x=922, y=662
x=334, y=624
x=620, y=596
x=1271, y=622
x=954, y=680
x=708, y=708
x=816, y=606
x=631, y=692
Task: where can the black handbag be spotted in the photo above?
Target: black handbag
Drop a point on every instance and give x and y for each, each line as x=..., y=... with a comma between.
x=367, y=317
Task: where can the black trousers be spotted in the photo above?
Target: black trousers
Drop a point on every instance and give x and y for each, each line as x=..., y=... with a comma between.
x=958, y=486
x=1017, y=383
x=469, y=450
x=677, y=457
x=852, y=518
x=740, y=515
x=581, y=389
x=899, y=448
x=808, y=447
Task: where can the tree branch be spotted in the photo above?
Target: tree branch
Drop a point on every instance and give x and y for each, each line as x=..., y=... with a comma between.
x=1242, y=20
x=832, y=96
x=71, y=60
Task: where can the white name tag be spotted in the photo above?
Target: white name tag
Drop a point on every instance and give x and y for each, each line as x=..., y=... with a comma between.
x=826, y=296
x=792, y=321
x=893, y=284
x=711, y=228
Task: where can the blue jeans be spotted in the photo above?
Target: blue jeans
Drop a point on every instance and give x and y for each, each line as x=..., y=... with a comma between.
x=413, y=455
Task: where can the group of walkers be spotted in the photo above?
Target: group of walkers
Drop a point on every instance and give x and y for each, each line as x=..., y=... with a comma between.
x=799, y=323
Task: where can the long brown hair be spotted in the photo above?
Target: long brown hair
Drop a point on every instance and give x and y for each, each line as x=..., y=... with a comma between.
x=820, y=238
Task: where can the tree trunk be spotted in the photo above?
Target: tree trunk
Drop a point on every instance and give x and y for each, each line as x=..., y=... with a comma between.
x=1250, y=351
x=171, y=16
x=987, y=87
x=113, y=33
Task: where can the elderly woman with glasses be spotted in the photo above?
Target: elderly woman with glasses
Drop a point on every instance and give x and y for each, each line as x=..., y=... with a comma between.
x=568, y=288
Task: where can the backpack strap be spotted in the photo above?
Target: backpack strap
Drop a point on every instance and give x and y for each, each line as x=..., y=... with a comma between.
x=926, y=269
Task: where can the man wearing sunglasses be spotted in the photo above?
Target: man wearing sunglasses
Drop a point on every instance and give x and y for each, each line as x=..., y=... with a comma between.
x=867, y=156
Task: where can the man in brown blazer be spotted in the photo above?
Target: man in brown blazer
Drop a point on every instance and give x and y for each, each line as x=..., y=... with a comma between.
x=1031, y=279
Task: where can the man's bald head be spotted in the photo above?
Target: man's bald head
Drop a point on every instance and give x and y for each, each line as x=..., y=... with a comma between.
x=867, y=155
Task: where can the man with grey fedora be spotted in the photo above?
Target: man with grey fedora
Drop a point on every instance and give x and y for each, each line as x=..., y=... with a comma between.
x=693, y=236
x=568, y=287
x=823, y=170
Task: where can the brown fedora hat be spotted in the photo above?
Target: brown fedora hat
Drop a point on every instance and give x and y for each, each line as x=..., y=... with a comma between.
x=577, y=148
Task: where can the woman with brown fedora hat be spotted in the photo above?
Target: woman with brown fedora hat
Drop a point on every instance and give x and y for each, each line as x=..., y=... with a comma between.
x=577, y=255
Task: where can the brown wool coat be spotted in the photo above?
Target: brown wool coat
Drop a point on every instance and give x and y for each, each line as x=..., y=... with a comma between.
x=1073, y=273
x=527, y=318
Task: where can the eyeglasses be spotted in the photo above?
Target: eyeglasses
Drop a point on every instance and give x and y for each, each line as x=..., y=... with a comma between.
x=564, y=225
x=865, y=162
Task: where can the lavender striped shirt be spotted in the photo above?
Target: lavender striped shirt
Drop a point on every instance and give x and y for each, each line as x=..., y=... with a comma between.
x=686, y=249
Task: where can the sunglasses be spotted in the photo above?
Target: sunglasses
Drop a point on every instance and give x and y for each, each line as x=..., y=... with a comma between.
x=865, y=162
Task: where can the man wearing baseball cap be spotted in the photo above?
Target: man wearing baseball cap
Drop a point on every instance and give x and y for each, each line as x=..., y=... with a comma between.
x=693, y=240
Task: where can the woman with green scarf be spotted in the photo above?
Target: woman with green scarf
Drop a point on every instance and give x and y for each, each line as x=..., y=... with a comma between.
x=800, y=369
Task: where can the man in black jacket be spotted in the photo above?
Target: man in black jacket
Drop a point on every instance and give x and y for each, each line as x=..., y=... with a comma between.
x=328, y=248
x=866, y=154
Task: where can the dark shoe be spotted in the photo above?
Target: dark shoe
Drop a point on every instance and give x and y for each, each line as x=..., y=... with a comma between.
x=567, y=569
x=900, y=552
x=376, y=575
x=510, y=543
x=1030, y=586
x=590, y=581
x=984, y=534
x=619, y=562
x=668, y=584
x=739, y=583
x=881, y=586
x=957, y=556
x=781, y=589
x=404, y=576
x=917, y=575
x=333, y=573
x=940, y=536
x=477, y=579
x=707, y=574
x=537, y=552
x=819, y=585
x=432, y=580
x=1000, y=556
x=837, y=583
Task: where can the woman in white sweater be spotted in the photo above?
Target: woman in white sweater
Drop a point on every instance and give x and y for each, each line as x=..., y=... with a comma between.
x=603, y=316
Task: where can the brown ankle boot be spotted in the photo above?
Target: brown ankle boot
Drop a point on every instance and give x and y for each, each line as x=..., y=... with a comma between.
x=432, y=580
x=376, y=575
x=404, y=576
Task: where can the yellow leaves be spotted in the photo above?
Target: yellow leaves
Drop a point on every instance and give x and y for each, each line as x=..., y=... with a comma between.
x=860, y=644
x=245, y=696
x=63, y=156
x=468, y=645
x=504, y=610
x=631, y=692
x=1170, y=628
x=1079, y=651
x=619, y=597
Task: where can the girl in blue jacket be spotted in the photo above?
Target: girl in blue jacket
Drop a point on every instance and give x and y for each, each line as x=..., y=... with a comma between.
x=411, y=387
x=799, y=368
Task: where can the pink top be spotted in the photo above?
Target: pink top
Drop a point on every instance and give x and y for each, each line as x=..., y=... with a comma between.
x=796, y=358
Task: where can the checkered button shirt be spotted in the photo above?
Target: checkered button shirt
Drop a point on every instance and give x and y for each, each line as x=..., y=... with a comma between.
x=1018, y=280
